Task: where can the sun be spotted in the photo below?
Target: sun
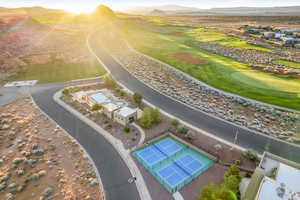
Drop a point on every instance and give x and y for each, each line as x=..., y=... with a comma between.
x=81, y=9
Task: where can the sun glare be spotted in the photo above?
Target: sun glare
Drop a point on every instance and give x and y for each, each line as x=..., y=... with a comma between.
x=78, y=10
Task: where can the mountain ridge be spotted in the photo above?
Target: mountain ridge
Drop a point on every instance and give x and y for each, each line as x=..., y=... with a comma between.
x=238, y=11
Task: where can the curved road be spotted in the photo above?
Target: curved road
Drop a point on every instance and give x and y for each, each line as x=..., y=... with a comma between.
x=217, y=127
x=112, y=169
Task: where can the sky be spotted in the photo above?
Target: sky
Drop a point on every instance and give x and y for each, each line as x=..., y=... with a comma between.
x=87, y=6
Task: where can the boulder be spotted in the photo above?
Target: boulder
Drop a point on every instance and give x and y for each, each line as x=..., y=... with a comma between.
x=48, y=191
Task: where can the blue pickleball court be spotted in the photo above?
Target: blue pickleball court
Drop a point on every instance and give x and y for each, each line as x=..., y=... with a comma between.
x=172, y=163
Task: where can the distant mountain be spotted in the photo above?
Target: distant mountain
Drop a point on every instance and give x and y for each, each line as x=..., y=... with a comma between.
x=175, y=8
x=3, y=9
x=157, y=12
x=258, y=11
x=31, y=11
x=236, y=11
x=164, y=8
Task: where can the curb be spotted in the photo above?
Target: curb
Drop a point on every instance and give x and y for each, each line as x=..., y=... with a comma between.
x=143, y=135
x=117, y=144
x=72, y=138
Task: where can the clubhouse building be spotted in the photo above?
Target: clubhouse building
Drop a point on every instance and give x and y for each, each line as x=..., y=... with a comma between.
x=112, y=107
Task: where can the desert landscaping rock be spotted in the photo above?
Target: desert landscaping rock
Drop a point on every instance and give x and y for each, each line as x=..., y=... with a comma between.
x=9, y=196
x=48, y=191
x=33, y=162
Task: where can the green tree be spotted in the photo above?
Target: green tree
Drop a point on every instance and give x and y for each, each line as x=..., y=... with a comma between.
x=232, y=183
x=233, y=170
x=120, y=92
x=155, y=115
x=212, y=192
x=150, y=117
x=137, y=98
x=109, y=81
x=146, y=119
x=96, y=107
x=226, y=194
x=209, y=192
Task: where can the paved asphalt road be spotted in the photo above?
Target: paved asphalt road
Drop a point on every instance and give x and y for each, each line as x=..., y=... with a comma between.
x=113, y=171
x=219, y=128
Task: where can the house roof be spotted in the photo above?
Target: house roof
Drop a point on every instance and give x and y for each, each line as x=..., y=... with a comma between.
x=126, y=111
x=283, y=185
x=111, y=107
x=99, y=97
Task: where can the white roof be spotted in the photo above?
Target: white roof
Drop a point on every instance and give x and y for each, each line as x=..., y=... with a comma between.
x=286, y=183
x=126, y=111
x=111, y=107
x=99, y=97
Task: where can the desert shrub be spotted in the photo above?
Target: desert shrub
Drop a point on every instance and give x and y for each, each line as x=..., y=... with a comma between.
x=183, y=130
x=175, y=123
x=66, y=91
x=96, y=107
x=126, y=129
x=237, y=162
x=251, y=155
x=120, y=92
x=248, y=174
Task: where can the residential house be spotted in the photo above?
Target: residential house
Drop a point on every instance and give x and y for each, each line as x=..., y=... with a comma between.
x=109, y=109
x=275, y=178
x=126, y=115
x=269, y=34
x=97, y=97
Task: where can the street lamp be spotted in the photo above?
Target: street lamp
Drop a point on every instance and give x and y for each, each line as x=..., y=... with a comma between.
x=235, y=139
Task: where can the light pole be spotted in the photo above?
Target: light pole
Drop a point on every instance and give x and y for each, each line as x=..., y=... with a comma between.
x=235, y=139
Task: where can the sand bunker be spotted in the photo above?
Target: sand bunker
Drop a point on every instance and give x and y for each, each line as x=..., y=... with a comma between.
x=189, y=58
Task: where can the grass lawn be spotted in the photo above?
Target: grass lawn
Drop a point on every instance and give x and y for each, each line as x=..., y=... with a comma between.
x=58, y=71
x=203, y=34
x=287, y=63
x=220, y=72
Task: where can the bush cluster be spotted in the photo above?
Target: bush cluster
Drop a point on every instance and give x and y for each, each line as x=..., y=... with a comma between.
x=150, y=117
x=229, y=189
